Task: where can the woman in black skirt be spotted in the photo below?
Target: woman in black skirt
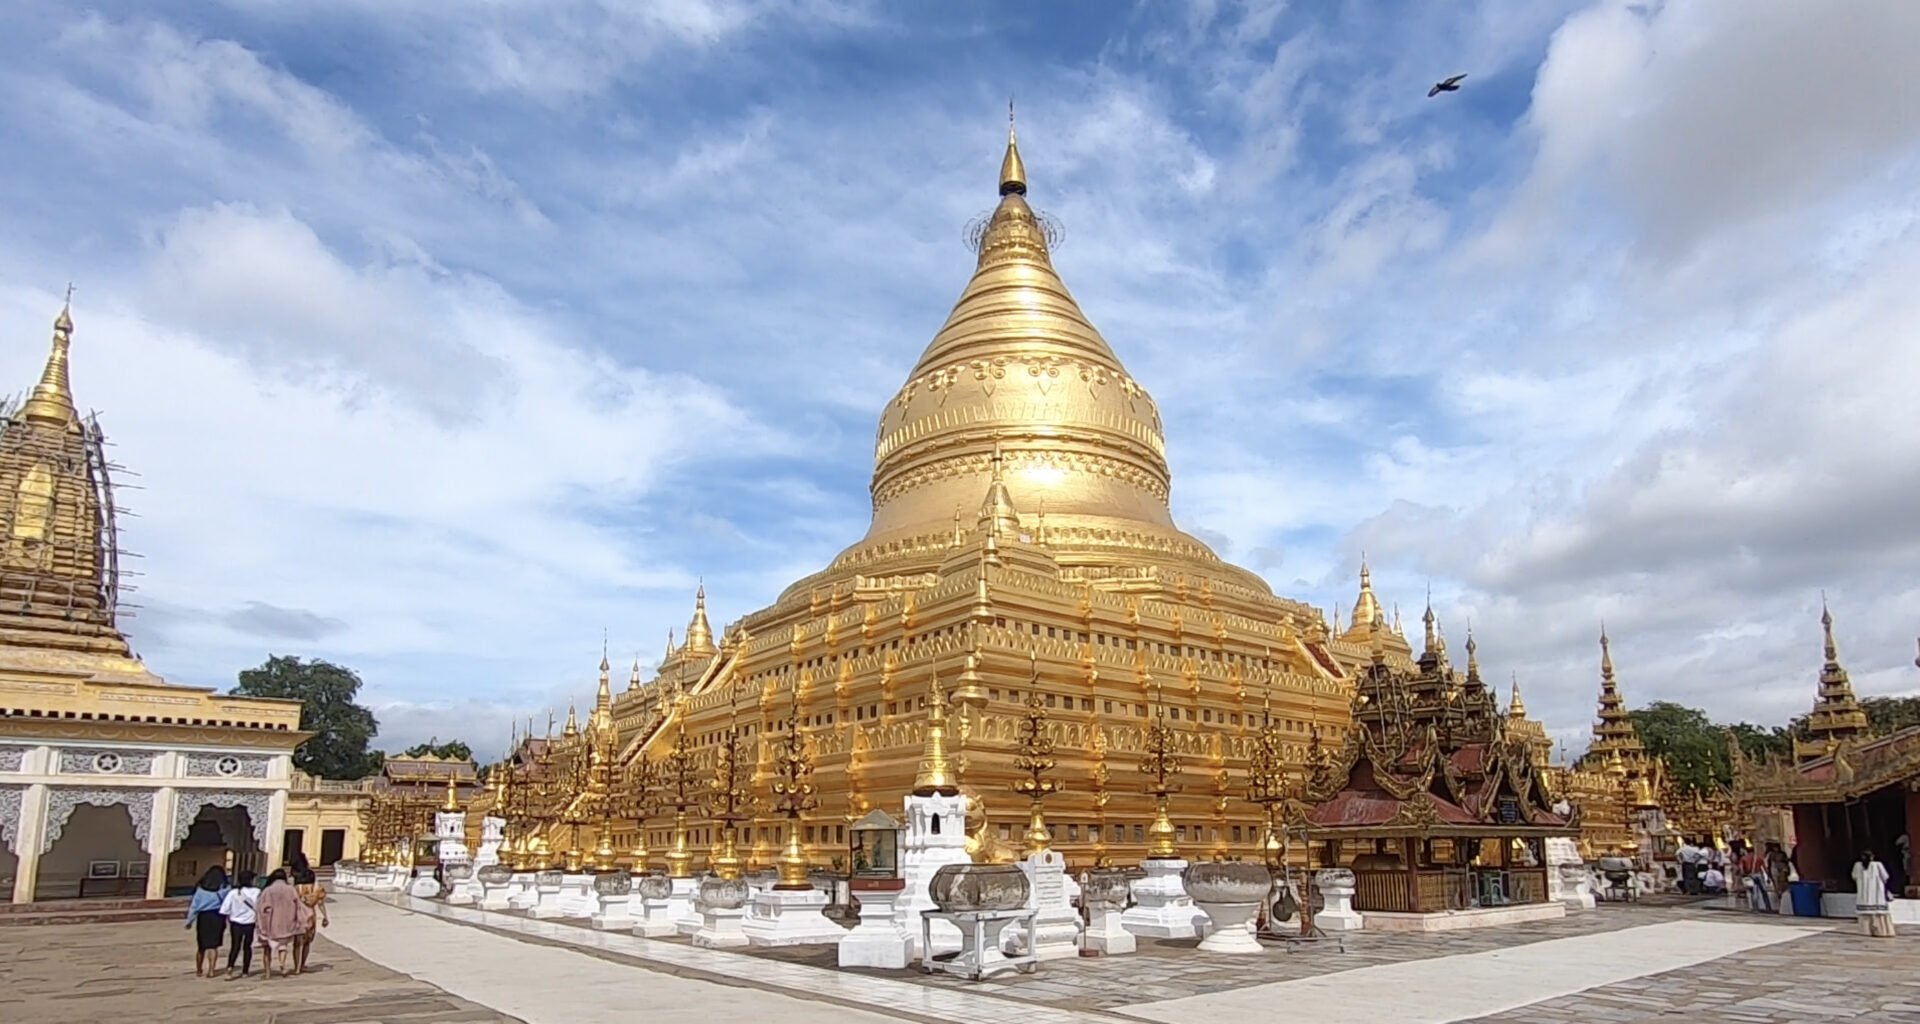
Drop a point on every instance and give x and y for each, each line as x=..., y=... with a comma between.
x=208, y=924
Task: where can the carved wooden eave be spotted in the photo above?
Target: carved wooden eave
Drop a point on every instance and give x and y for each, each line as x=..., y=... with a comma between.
x=1855, y=769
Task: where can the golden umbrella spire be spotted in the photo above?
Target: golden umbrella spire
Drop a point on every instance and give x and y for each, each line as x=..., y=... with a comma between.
x=1516, y=708
x=603, y=699
x=52, y=398
x=1013, y=173
x=936, y=771
x=573, y=722
x=452, y=806
x=1035, y=761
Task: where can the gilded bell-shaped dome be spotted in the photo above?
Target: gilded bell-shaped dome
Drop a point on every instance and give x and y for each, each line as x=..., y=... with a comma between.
x=1019, y=375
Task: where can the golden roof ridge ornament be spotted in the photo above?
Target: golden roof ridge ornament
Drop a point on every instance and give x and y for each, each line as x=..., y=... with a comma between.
x=52, y=398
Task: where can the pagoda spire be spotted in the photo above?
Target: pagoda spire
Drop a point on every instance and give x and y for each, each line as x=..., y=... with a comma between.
x=1013, y=173
x=667, y=658
x=1837, y=714
x=1516, y=708
x=573, y=722
x=1366, y=607
x=699, y=634
x=1473, y=657
x=633, y=681
x=1614, y=732
x=1427, y=617
x=998, y=518
x=603, y=698
x=936, y=771
x=52, y=398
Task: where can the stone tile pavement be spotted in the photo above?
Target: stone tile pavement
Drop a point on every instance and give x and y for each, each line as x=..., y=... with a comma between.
x=1833, y=976
x=1171, y=969
x=143, y=971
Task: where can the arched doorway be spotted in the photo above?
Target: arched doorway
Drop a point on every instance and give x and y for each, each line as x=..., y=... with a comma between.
x=94, y=845
x=209, y=828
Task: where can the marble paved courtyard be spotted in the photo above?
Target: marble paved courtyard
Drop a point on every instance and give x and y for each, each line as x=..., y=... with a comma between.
x=409, y=962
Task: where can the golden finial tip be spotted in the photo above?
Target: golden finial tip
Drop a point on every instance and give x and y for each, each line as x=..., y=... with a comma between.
x=1013, y=172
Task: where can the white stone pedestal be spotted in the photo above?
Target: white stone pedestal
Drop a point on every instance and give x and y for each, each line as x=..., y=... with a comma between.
x=1161, y=908
x=498, y=896
x=424, y=886
x=492, y=832
x=1055, y=929
x=683, y=906
x=1106, y=934
x=522, y=892
x=577, y=899
x=790, y=917
x=547, y=896
x=878, y=940
x=721, y=928
x=465, y=893
x=613, y=913
x=1229, y=928
x=936, y=836
x=1336, y=887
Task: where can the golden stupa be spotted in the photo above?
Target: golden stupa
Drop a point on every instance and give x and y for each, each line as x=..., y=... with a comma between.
x=1021, y=541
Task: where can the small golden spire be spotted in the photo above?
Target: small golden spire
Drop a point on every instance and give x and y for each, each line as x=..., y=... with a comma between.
x=1013, y=173
x=1473, y=657
x=699, y=634
x=936, y=771
x=452, y=805
x=1515, y=707
x=603, y=699
x=1606, y=659
x=633, y=681
x=1398, y=630
x=52, y=398
x=1366, y=607
x=573, y=722
x=998, y=518
x=667, y=658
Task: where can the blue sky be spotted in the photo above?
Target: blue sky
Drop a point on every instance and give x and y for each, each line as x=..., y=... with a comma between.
x=446, y=336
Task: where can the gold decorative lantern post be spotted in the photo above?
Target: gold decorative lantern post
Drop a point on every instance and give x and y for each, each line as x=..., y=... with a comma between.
x=1160, y=765
x=1036, y=762
x=679, y=775
x=641, y=799
x=794, y=794
x=732, y=800
x=1269, y=783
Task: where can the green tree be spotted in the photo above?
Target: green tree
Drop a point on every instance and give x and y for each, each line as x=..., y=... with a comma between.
x=453, y=750
x=1694, y=749
x=341, y=728
x=1891, y=714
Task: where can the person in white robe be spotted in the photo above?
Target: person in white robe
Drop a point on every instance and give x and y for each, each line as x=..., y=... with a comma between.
x=1870, y=897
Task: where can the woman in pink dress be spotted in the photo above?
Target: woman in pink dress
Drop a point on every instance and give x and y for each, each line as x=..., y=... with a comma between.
x=282, y=919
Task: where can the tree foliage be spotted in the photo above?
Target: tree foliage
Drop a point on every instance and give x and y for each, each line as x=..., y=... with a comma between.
x=453, y=750
x=1695, y=749
x=1891, y=714
x=341, y=728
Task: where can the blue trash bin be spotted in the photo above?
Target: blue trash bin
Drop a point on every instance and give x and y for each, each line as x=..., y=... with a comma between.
x=1806, y=898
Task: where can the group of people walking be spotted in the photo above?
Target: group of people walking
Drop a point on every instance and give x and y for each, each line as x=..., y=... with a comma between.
x=283, y=912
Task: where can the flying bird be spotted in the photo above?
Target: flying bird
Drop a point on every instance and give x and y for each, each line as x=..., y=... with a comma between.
x=1450, y=85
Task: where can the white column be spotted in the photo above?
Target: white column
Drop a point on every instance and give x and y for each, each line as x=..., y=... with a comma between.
x=160, y=840
x=27, y=837
x=276, y=829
